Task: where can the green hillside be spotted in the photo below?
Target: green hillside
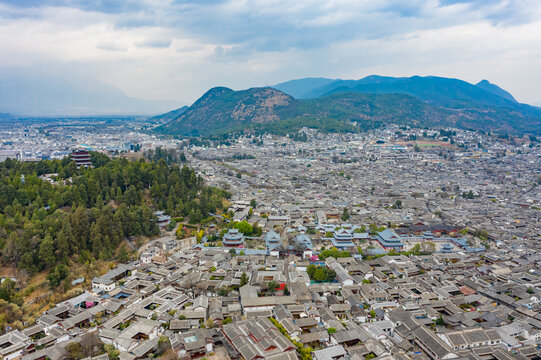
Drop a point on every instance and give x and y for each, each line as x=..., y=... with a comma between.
x=221, y=109
x=46, y=226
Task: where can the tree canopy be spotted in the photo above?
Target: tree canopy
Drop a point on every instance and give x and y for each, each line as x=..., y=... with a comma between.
x=333, y=252
x=88, y=212
x=320, y=273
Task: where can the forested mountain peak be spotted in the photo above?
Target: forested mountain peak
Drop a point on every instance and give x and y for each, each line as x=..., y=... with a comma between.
x=222, y=108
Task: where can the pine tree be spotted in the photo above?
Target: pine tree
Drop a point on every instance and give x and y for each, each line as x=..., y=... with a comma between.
x=345, y=214
x=46, y=252
x=243, y=279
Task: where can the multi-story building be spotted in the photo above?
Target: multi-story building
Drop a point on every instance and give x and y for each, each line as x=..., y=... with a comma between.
x=343, y=238
x=389, y=240
x=273, y=243
x=233, y=238
x=81, y=157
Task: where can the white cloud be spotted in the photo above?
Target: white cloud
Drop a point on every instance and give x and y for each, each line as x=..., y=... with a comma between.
x=155, y=43
x=164, y=49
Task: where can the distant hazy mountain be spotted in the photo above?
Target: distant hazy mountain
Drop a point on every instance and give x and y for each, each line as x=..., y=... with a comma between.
x=223, y=110
x=169, y=115
x=432, y=89
x=495, y=89
x=44, y=95
x=298, y=88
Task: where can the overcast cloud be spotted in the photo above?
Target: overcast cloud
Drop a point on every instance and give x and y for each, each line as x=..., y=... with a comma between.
x=176, y=50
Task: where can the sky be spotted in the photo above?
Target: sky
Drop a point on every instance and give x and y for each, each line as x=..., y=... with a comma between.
x=176, y=50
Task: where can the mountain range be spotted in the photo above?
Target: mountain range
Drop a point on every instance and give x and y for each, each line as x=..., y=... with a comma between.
x=354, y=105
x=431, y=89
